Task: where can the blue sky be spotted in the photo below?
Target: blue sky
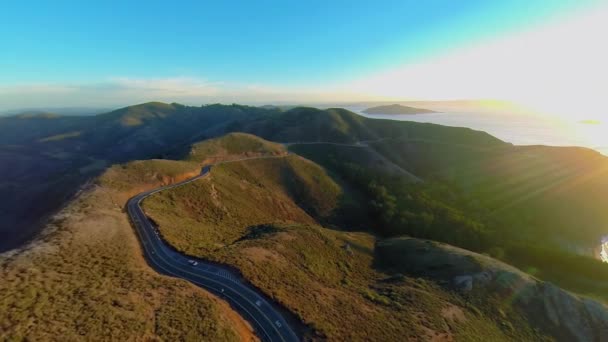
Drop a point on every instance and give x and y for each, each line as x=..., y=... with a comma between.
x=230, y=50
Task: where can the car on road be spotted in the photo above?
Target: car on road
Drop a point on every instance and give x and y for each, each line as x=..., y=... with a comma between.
x=278, y=324
x=193, y=262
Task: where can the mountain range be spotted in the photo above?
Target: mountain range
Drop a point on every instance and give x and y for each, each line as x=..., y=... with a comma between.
x=346, y=206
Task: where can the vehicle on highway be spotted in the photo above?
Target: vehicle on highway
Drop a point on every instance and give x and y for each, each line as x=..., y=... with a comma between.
x=192, y=262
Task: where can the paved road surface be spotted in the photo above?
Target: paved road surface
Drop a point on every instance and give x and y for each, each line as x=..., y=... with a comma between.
x=266, y=320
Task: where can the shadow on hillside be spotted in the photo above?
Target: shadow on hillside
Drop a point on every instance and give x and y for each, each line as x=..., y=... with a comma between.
x=37, y=190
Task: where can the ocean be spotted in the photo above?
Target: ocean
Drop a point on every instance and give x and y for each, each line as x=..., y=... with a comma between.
x=518, y=129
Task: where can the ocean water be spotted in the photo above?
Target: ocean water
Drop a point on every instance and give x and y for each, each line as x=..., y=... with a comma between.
x=518, y=129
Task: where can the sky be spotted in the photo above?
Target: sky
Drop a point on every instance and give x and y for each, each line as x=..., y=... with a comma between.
x=547, y=54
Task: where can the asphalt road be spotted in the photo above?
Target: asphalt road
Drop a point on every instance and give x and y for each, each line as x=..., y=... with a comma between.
x=268, y=322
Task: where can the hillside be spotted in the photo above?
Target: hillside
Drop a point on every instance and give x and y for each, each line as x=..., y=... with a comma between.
x=340, y=125
x=241, y=195
x=313, y=223
x=446, y=209
x=85, y=278
x=535, y=206
x=397, y=109
x=51, y=158
x=528, y=186
x=233, y=146
x=313, y=237
x=564, y=315
x=269, y=217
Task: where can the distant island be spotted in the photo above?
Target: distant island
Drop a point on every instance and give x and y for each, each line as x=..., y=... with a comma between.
x=397, y=109
x=590, y=122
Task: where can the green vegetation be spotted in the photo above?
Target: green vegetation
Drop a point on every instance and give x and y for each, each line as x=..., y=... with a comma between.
x=289, y=224
x=46, y=173
x=212, y=213
x=265, y=217
x=233, y=145
x=399, y=207
x=327, y=278
x=86, y=280
x=340, y=125
x=538, y=192
x=514, y=203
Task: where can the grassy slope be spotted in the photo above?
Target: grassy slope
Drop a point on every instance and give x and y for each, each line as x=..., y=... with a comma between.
x=538, y=191
x=86, y=279
x=545, y=203
x=52, y=157
x=215, y=213
x=147, y=173
x=233, y=146
x=430, y=149
x=247, y=214
x=63, y=153
x=341, y=125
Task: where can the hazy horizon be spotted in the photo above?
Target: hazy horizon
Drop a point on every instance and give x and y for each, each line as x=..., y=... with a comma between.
x=393, y=52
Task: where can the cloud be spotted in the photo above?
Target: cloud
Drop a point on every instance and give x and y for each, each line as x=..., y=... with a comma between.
x=110, y=92
x=120, y=91
x=559, y=68
x=178, y=86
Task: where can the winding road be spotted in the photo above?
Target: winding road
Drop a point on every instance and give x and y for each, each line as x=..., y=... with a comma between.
x=267, y=321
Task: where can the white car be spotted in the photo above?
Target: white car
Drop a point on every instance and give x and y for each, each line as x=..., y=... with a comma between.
x=192, y=262
x=278, y=324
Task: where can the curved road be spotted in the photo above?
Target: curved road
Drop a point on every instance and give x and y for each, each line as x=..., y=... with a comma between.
x=266, y=320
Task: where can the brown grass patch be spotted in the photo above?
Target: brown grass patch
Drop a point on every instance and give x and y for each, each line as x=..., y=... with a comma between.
x=85, y=278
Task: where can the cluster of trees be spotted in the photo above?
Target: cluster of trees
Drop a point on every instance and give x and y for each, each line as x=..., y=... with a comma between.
x=430, y=210
x=438, y=211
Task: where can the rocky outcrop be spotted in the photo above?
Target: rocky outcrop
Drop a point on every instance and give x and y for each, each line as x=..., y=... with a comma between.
x=560, y=313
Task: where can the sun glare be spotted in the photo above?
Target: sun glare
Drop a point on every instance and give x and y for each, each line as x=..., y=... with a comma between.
x=559, y=69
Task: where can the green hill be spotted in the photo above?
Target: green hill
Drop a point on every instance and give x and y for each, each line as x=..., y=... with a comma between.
x=533, y=206
x=241, y=195
x=233, y=146
x=85, y=278
x=269, y=218
x=340, y=125
x=52, y=157
x=552, y=194
x=312, y=235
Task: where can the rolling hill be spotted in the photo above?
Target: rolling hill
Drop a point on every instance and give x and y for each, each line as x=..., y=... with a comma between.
x=49, y=158
x=279, y=220
x=532, y=207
